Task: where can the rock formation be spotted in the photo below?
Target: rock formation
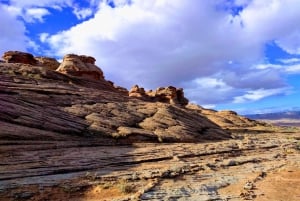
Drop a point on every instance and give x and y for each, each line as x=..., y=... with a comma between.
x=60, y=133
x=19, y=57
x=169, y=94
x=36, y=102
x=82, y=66
x=77, y=106
x=226, y=119
x=49, y=63
x=138, y=92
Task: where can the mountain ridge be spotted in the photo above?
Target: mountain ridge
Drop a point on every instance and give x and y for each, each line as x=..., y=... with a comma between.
x=276, y=115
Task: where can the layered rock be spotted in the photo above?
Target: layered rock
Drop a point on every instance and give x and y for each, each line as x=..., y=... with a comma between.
x=37, y=103
x=66, y=105
x=19, y=57
x=226, y=119
x=47, y=62
x=81, y=66
x=169, y=94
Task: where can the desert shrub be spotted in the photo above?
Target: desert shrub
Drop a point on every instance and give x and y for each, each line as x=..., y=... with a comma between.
x=126, y=187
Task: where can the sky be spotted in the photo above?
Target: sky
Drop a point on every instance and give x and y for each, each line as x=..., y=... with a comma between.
x=241, y=55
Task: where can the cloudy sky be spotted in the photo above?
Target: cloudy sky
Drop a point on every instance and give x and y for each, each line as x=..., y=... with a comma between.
x=242, y=55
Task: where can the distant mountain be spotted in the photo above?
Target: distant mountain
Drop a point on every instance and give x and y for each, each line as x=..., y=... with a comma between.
x=276, y=116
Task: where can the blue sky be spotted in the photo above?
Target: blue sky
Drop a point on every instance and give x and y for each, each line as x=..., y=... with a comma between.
x=242, y=55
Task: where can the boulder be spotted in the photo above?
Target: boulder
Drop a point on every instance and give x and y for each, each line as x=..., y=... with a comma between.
x=19, y=57
x=47, y=62
x=81, y=66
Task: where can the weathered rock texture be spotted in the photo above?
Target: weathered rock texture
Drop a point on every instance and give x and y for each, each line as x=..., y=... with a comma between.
x=49, y=63
x=227, y=119
x=83, y=66
x=19, y=57
x=60, y=133
x=39, y=103
x=169, y=94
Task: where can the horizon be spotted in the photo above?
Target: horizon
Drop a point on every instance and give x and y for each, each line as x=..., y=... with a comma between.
x=241, y=55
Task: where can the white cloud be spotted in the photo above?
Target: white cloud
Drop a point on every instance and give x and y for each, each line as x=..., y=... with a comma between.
x=291, y=42
x=267, y=66
x=290, y=60
x=35, y=14
x=196, y=44
x=209, y=91
x=82, y=13
x=290, y=66
x=209, y=106
x=293, y=69
x=254, y=95
x=40, y=3
x=242, y=2
x=43, y=37
x=156, y=38
x=158, y=43
x=274, y=20
x=12, y=31
x=254, y=79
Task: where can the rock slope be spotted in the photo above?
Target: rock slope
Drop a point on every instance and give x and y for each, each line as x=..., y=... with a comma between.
x=75, y=100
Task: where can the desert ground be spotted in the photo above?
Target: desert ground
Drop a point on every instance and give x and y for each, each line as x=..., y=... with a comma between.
x=252, y=166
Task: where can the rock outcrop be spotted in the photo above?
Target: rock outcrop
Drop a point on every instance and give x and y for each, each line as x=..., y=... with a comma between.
x=42, y=103
x=138, y=92
x=39, y=103
x=47, y=62
x=226, y=119
x=19, y=57
x=168, y=94
x=81, y=66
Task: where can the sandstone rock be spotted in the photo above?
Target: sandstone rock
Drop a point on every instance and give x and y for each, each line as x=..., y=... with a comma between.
x=70, y=106
x=49, y=63
x=60, y=137
x=226, y=118
x=19, y=57
x=82, y=66
x=138, y=92
x=169, y=94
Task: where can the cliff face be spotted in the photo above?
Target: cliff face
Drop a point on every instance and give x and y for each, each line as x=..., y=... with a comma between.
x=38, y=101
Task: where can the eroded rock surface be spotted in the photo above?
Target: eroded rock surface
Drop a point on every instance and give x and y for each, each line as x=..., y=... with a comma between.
x=72, y=135
x=80, y=65
x=170, y=94
x=49, y=63
x=19, y=57
x=245, y=168
x=228, y=119
x=40, y=101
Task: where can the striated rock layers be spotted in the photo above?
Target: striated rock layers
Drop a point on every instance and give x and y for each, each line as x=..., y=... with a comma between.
x=75, y=101
x=227, y=119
